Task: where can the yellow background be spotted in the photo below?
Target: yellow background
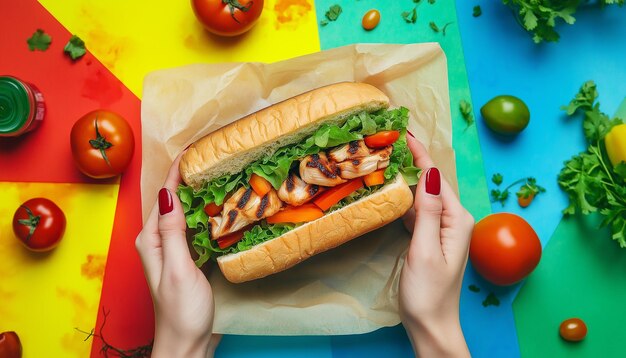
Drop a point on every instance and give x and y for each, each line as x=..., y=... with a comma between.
x=132, y=38
x=43, y=296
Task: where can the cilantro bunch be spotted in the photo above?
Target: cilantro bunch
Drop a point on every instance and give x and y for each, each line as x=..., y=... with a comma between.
x=539, y=17
x=590, y=181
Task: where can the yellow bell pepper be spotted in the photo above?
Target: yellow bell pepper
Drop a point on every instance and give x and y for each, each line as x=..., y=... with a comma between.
x=615, y=142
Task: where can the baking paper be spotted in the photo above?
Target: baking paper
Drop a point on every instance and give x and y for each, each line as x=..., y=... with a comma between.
x=348, y=290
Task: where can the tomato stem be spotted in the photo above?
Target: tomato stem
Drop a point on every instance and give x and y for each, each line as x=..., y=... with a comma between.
x=31, y=222
x=101, y=143
x=234, y=4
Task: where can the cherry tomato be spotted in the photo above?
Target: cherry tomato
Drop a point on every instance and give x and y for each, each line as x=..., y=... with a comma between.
x=227, y=17
x=573, y=330
x=10, y=345
x=102, y=144
x=504, y=248
x=370, y=19
x=524, y=202
x=382, y=139
x=39, y=223
x=506, y=114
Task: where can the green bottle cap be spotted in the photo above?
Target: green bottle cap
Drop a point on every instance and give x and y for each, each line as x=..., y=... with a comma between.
x=14, y=105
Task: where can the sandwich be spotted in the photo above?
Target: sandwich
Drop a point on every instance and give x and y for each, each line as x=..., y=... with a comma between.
x=296, y=179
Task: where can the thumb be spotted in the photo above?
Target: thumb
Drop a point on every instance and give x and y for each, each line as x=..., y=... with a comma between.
x=428, y=209
x=172, y=228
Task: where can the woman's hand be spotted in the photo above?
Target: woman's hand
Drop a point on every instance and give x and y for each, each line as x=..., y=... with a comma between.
x=182, y=296
x=430, y=283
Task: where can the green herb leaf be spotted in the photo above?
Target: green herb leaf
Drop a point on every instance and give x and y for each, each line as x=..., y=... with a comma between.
x=436, y=28
x=410, y=16
x=75, y=48
x=588, y=179
x=477, y=11
x=539, y=17
x=39, y=41
x=497, y=178
x=333, y=12
x=474, y=288
x=529, y=187
x=584, y=98
x=466, y=111
x=491, y=300
x=433, y=26
x=620, y=170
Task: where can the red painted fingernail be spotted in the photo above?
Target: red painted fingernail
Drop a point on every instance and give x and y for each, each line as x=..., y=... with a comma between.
x=409, y=133
x=165, y=201
x=433, y=181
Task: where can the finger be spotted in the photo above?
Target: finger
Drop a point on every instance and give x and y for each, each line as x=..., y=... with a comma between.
x=458, y=219
x=171, y=182
x=421, y=158
x=148, y=242
x=428, y=208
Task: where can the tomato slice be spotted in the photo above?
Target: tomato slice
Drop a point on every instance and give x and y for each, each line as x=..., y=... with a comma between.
x=375, y=178
x=230, y=239
x=296, y=214
x=333, y=195
x=260, y=185
x=382, y=139
x=212, y=209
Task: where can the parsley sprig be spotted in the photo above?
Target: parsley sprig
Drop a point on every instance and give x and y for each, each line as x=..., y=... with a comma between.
x=591, y=183
x=527, y=189
x=539, y=17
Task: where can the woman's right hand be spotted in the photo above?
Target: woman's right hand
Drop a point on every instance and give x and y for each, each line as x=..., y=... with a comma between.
x=430, y=283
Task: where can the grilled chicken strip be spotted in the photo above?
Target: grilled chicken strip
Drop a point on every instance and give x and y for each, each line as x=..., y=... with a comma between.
x=243, y=208
x=295, y=191
x=353, y=150
x=355, y=168
x=317, y=169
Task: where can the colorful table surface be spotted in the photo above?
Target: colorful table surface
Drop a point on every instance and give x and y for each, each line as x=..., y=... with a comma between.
x=96, y=270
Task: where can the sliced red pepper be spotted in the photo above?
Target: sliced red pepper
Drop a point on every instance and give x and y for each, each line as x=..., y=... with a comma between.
x=260, y=185
x=296, y=214
x=334, y=195
x=375, y=178
x=212, y=209
x=230, y=239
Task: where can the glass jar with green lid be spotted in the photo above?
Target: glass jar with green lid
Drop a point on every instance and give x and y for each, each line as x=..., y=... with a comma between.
x=22, y=107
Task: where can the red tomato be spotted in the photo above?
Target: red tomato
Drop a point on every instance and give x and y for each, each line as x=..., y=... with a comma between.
x=504, y=248
x=573, y=330
x=102, y=144
x=231, y=239
x=227, y=17
x=382, y=139
x=39, y=224
x=10, y=345
x=370, y=19
x=334, y=195
x=525, y=202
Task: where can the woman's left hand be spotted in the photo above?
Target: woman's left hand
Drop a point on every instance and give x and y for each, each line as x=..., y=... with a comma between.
x=182, y=296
